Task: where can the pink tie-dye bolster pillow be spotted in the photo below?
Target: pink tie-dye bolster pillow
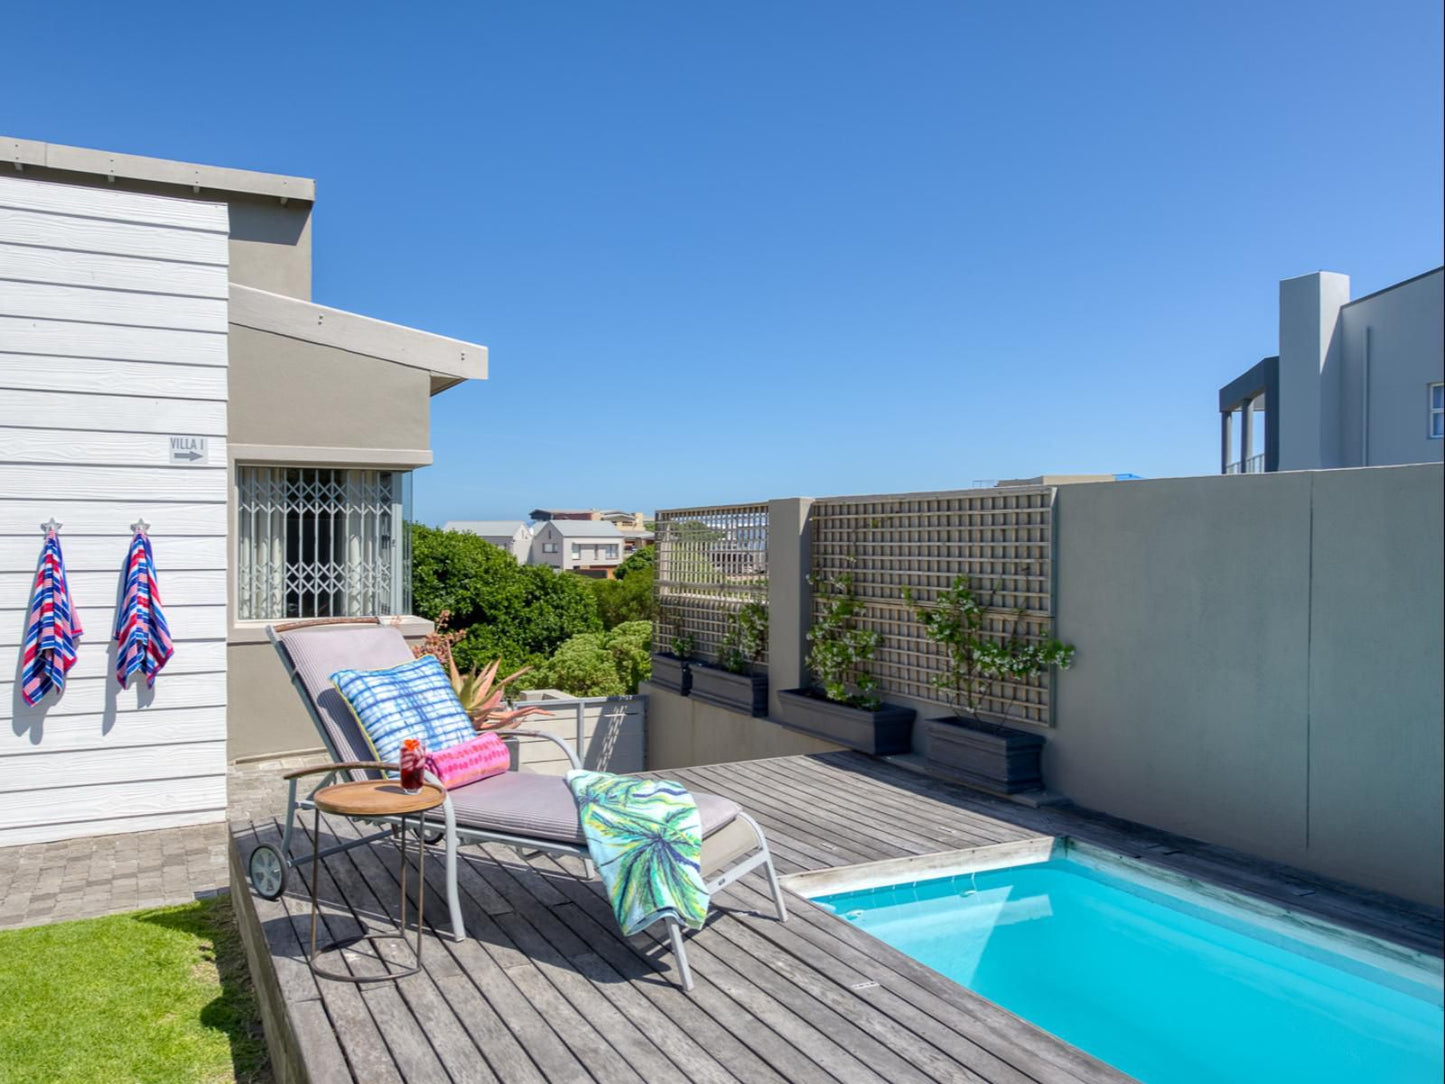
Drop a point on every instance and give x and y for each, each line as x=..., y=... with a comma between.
x=468, y=761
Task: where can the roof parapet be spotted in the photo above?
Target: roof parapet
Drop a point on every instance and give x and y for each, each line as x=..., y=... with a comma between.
x=21, y=153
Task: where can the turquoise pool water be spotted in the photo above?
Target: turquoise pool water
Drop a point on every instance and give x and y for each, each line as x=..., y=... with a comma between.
x=1171, y=987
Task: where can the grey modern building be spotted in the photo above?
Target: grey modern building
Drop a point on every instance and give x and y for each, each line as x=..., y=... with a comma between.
x=1356, y=383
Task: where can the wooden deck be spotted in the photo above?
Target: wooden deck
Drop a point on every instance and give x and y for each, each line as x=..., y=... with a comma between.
x=546, y=988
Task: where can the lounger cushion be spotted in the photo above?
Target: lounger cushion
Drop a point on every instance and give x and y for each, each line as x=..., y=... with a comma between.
x=413, y=700
x=542, y=807
x=319, y=652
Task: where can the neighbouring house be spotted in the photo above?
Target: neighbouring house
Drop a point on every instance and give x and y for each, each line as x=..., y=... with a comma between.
x=511, y=535
x=1355, y=383
x=633, y=526
x=593, y=547
x=1062, y=480
x=542, y=514
x=626, y=521
x=161, y=359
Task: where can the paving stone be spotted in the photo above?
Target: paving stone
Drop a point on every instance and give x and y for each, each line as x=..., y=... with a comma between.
x=98, y=875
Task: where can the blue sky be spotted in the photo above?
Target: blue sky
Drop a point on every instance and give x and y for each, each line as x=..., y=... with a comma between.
x=731, y=252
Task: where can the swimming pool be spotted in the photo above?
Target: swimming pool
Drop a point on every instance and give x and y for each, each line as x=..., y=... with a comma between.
x=1165, y=979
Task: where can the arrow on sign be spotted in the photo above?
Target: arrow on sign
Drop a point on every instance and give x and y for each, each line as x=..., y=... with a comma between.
x=189, y=449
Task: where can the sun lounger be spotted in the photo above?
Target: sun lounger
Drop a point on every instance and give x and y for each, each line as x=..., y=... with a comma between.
x=525, y=810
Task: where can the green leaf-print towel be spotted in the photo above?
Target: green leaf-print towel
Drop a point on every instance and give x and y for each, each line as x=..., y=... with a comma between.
x=645, y=837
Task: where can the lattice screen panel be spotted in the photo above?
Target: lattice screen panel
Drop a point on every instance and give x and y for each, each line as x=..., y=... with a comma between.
x=1002, y=539
x=710, y=562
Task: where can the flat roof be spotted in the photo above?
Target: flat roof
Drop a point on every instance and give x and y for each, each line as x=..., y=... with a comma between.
x=1395, y=286
x=21, y=153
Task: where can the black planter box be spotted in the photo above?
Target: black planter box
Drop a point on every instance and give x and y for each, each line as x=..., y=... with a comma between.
x=670, y=672
x=997, y=758
x=887, y=730
x=747, y=693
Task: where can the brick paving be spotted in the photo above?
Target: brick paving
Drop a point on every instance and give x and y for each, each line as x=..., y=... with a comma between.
x=103, y=875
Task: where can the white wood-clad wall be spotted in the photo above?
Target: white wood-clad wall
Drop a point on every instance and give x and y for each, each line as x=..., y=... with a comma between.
x=112, y=338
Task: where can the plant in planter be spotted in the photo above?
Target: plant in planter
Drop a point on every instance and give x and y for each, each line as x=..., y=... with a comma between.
x=735, y=682
x=672, y=669
x=997, y=757
x=843, y=706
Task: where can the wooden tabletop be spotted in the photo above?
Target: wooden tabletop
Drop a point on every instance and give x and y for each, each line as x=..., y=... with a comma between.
x=377, y=798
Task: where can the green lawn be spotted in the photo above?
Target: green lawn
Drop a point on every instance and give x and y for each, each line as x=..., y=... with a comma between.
x=159, y=995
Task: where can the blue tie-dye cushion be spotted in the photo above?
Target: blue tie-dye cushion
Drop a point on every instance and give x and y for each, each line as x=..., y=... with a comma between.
x=413, y=700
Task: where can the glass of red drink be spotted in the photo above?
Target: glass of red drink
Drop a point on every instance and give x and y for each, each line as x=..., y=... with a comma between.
x=413, y=763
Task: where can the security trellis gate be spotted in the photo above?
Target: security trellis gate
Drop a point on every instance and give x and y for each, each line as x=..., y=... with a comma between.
x=320, y=542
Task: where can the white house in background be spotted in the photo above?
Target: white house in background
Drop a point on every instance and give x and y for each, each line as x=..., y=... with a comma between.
x=590, y=546
x=1355, y=384
x=512, y=535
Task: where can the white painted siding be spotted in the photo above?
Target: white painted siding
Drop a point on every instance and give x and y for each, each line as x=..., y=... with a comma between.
x=113, y=336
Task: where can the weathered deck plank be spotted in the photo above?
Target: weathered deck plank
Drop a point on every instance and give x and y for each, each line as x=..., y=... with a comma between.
x=546, y=988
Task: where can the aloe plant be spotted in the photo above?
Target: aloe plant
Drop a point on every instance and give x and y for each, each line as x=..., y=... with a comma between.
x=483, y=697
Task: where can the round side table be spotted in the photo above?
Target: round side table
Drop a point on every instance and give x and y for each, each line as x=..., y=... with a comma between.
x=373, y=798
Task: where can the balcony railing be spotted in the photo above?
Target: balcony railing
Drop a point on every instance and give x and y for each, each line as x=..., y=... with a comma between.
x=1253, y=465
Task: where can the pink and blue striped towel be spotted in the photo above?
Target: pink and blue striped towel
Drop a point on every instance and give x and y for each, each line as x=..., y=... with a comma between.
x=142, y=636
x=51, y=630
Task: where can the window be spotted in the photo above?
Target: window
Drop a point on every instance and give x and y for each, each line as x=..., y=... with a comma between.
x=611, y=553
x=576, y=551
x=320, y=542
x=1437, y=411
x=550, y=547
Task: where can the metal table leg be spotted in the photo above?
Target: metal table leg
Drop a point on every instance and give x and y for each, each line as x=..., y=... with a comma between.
x=400, y=932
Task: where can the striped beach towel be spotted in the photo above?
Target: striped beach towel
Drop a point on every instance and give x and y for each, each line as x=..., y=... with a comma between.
x=52, y=628
x=142, y=636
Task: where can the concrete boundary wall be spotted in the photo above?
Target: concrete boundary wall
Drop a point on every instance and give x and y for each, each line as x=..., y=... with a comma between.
x=1260, y=665
x=683, y=732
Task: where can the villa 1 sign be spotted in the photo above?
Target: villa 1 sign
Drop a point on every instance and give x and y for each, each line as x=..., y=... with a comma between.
x=190, y=450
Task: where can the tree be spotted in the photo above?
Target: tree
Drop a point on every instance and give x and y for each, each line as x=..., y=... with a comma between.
x=619, y=601
x=518, y=614
x=598, y=663
x=640, y=561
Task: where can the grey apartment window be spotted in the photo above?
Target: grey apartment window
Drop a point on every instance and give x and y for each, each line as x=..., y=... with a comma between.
x=549, y=547
x=1437, y=411
x=576, y=551
x=611, y=553
x=321, y=542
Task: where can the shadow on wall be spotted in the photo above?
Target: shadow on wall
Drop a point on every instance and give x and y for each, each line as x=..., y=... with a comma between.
x=29, y=719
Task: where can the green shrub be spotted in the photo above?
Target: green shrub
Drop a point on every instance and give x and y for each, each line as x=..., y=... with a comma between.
x=619, y=601
x=643, y=560
x=518, y=614
x=598, y=663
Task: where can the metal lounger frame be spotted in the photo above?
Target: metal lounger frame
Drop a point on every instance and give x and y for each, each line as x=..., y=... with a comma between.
x=455, y=834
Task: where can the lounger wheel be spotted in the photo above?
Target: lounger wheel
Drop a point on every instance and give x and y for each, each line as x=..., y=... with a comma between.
x=267, y=871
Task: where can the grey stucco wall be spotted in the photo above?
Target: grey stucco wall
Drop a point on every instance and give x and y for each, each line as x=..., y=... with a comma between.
x=265, y=716
x=271, y=246
x=1407, y=353
x=289, y=392
x=683, y=732
x=1260, y=665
